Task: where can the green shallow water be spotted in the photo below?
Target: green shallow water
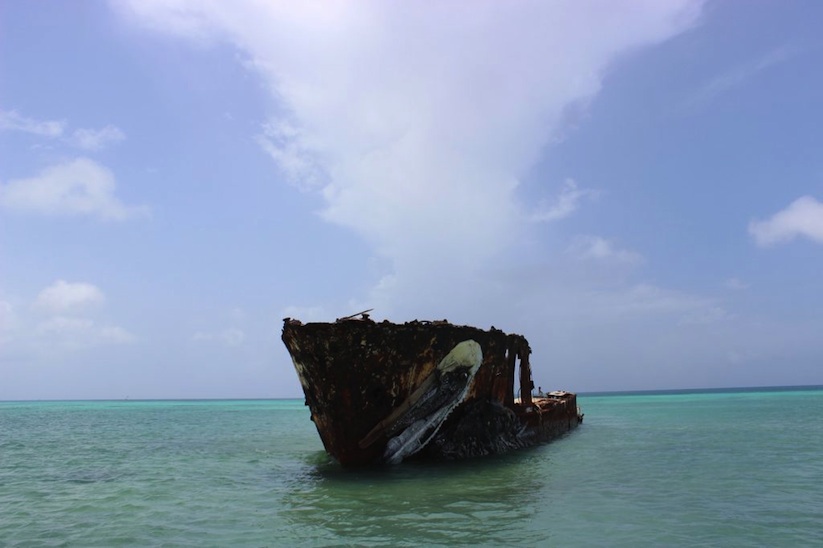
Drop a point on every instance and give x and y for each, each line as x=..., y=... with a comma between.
x=689, y=469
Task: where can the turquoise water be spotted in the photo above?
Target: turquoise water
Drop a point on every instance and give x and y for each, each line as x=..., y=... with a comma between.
x=689, y=469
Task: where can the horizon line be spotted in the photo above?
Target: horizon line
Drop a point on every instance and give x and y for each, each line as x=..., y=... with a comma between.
x=658, y=391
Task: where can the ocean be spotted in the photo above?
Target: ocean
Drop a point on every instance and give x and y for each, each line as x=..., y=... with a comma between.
x=711, y=468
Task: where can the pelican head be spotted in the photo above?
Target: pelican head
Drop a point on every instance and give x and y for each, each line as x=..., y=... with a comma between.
x=464, y=357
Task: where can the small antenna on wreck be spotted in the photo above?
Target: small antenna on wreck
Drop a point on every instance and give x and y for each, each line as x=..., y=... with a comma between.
x=364, y=315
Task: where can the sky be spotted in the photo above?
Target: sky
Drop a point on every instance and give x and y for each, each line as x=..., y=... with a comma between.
x=634, y=185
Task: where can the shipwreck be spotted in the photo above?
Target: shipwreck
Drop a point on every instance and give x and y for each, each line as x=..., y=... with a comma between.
x=381, y=392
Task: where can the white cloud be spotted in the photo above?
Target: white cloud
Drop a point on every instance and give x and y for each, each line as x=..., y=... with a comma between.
x=803, y=217
x=707, y=315
x=741, y=356
x=80, y=332
x=63, y=296
x=416, y=123
x=97, y=139
x=597, y=248
x=8, y=321
x=238, y=314
x=87, y=139
x=420, y=120
x=646, y=300
x=76, y=187
x=739, y=75
x=60, y=319
x=566, y=203
x=736, y=284
x=11, y=120
x=6, y=315
x=68, y=324
x=231, y=337
x=292, y=152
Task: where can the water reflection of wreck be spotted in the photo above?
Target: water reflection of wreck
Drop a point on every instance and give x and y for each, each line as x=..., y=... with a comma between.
x=385, y=392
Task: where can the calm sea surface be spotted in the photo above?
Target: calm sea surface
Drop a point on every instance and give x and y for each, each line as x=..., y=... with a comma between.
x=739, y=468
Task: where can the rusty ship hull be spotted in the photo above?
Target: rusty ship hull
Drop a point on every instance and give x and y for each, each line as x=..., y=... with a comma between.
x=369, y=385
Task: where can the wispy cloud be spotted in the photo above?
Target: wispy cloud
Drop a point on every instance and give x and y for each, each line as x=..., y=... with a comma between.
x=97, y=139
x=231, y=337
x=62, y=297
x=83, y=138
x=649, y=300
x=76, y=187
x=11, y=120
x=708, y=315
x=63, y=317
x=803, y=217
x=565, y=204
x=739, y=75
x=600, y=249
x=8, y=322
x=736, y=284
x=291, y=150
x=79, y=333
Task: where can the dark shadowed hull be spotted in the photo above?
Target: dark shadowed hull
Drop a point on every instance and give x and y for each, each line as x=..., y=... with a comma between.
x=355, y=373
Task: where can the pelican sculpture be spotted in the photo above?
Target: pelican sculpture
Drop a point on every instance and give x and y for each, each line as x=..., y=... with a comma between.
x=355, y=372
x=417, y=420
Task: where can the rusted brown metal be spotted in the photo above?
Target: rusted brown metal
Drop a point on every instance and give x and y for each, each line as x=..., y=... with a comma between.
x=356, y=372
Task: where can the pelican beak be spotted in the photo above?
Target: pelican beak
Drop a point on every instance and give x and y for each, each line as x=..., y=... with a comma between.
x=412, y=424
